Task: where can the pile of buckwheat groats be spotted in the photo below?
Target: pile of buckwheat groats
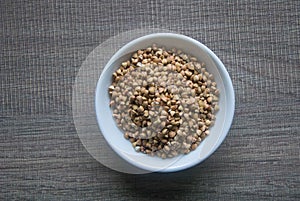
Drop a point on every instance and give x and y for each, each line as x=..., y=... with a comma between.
x=164, y=101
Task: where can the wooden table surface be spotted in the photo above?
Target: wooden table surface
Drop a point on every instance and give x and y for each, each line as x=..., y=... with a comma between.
x=42, y=47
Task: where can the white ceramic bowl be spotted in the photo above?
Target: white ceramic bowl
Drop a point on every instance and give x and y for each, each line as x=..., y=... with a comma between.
x=218, y=132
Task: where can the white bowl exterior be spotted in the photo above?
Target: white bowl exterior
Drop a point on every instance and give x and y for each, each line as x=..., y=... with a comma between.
x=218, y=132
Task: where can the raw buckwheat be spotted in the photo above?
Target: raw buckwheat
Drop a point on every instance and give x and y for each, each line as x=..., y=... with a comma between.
x=164, y=101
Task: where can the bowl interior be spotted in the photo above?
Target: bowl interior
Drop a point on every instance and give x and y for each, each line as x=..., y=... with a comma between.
x=218, y=131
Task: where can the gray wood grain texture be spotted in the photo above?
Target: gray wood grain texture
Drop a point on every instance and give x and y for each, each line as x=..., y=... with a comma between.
x=43, y=46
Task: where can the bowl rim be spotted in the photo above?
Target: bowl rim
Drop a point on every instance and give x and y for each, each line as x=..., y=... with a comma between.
x=229, y=94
